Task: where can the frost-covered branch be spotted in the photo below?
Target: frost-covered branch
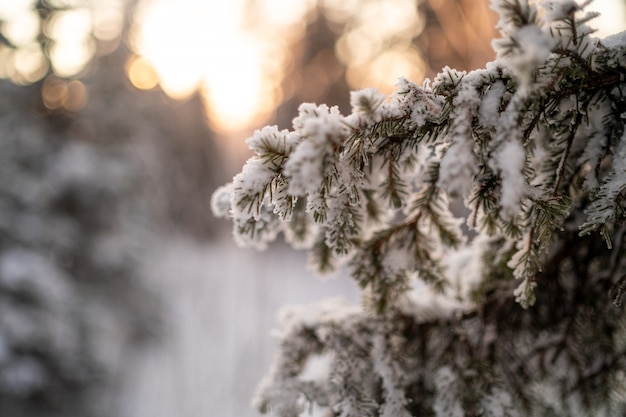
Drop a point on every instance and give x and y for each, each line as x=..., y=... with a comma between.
x=533, y=145
x=510, y=139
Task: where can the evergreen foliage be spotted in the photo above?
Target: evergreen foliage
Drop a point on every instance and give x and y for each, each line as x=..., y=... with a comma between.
x=518, y=316
x=68, y=229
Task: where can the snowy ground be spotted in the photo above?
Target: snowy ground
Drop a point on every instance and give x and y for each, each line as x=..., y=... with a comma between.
x=220, y=307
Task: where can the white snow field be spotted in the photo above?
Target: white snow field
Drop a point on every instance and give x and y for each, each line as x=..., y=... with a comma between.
x=220, y=306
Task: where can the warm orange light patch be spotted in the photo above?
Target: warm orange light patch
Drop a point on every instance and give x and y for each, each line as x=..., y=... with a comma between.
x=61, y=94
x=76, y=96
x=207, y=47
x=142, y=73
x=236, y=56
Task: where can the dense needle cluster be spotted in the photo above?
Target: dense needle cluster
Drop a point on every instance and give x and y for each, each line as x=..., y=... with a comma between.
x=514, y=318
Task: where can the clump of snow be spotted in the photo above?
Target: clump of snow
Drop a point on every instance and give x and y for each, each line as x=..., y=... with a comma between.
x=220, y=201
x=253, y=180
x=336, y=308
x=509, y=161
x=490, y=105
x=366, y=104
x=602, y=210
x=525, y=292
x=498, y=403
x=409, y=98
x=270, y=138
x=559, y=10
x=534, y=48
x=396, y=260
x=425, y=305
x=464, y=272
x=615, y=41
x=392, y=381
x=447, y=401
x=322, y=129
x=458, y=167
x=317, y=368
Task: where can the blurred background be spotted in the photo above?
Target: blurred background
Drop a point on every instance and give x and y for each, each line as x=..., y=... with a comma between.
x=120, y=295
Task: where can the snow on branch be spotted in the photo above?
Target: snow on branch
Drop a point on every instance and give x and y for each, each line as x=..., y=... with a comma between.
x=485, y=136
x=534, y=146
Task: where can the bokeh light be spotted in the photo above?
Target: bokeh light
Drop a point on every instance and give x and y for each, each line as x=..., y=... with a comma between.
x=241, y=56
x=60, y=94
x=22, y=28
x=72, y=45
x=57, y=36
x=201, y=46
x=238, y=57
x=29, y=63
x=171, y=39
x=377, y=45
x=142, y=73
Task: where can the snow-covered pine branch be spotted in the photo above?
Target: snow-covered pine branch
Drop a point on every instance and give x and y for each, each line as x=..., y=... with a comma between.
x=533, y=145
x=514, y=146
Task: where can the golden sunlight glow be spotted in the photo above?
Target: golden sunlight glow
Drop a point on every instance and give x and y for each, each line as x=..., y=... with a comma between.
x=283, y=13
x=73, y=46
x=233, y=83
x=385, y=69
x=171, y=39
x=236, y=57
x=9, y=8
x=368, y=49
x=23, y=27
x=200, y=46
x=107, y=19
x=30, y=63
